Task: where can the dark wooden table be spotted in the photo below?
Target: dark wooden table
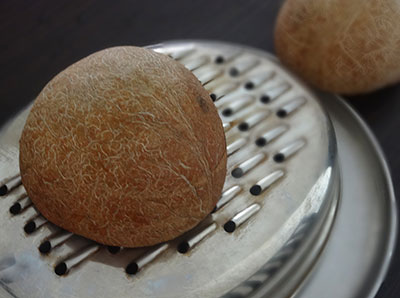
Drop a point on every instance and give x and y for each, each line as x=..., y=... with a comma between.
x=40, y=38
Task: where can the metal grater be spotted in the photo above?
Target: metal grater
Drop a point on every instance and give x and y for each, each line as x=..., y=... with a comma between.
x=266, y=231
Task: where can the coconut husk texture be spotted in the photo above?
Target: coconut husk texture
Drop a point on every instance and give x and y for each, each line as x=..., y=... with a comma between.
x=348, y=47
x=124, y=147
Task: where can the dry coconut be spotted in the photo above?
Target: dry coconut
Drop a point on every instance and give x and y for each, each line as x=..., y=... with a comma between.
x=124, y=147
x=341, y=46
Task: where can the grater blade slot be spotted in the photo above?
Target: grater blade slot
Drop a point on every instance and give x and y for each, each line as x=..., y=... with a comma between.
x=290, y=107
x=237, y=104
x=10, y=185
x=243, y=168
x=288, y=151
x=21, y=205
x=54, y=241
x=241, y=217
x=252, y=121
x=266, y=182
x=256, y=81
x=274, y=92
x=189, y=243
x=227, y=56
x=70, y=262
x=227, y=196
x=271, y=135
x=137, y=264
x=243, y=66
x=236, y=146
x=221, y=90
x=34, y=224
x=207, y=74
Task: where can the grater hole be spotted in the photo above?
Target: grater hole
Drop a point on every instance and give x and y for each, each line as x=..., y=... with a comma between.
x=3, y=190
x=227, y=112
x=132, y=268
x=30, y=227
x=10, y=185
x=237, y=173
x=213, y=97
x=266, y=182
x=247, y=165
x=249, y=85
x=261, y=142
x=234, y=72
x=265, y=99
x=255, y=190
x=253, y=120
x=45, y=247
x=183, y=247
x=219, y=60
x=279, y=157
x=113, y=249
x=281, y=113
x=61, y=269
x=243, y=126
x=15, y=209
x=230, y=226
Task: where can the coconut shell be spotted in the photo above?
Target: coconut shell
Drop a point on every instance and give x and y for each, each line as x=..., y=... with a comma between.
x=341, y=46
x=124, y=147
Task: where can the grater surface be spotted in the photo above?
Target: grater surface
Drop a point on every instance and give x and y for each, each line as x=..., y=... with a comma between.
x=275, y=211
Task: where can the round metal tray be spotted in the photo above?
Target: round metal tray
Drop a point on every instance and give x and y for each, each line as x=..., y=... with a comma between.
x=279, y=233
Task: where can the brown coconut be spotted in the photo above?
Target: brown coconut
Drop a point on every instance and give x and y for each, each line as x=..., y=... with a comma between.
x=124, y=147
x=341, y=46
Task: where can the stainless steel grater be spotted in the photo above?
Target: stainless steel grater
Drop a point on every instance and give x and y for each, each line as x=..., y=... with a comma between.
x=266, y=232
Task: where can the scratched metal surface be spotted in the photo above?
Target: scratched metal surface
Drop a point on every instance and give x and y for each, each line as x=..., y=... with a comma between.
x=295, y=170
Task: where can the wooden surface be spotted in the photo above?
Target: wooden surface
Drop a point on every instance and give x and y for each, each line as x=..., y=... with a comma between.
x=40, y=38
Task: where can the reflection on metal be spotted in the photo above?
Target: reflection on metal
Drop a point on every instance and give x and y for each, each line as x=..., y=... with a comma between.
x=261, y=229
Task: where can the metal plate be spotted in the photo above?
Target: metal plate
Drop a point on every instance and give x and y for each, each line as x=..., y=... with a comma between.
x=280, y=195
x=276, y=245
